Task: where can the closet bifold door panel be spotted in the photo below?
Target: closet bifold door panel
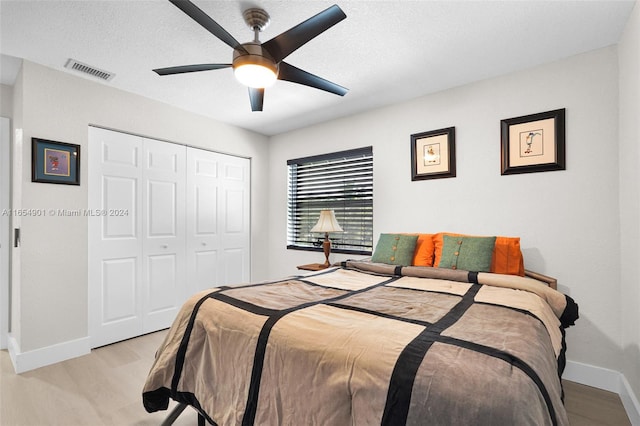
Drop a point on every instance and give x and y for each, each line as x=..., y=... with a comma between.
x=163, y=243
x=115, y=241
x=165, y=221
x=218, y=236
x=235, y=228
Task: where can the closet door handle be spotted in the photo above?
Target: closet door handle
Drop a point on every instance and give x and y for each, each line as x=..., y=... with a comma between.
x=16, y=237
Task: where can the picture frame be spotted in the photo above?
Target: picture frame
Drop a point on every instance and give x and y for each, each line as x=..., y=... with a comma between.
x=55, y=162
x=533, y=143
x=433, y=154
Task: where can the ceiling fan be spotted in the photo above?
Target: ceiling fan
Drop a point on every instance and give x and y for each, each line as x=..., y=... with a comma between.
x=258, y=65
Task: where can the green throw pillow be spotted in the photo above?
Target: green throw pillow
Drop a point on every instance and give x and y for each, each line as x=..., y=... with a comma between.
x=467, y=253
x=395, y=249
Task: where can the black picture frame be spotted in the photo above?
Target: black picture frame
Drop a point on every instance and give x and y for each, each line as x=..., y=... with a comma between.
x=433, y=154
x=533, y=143
x=55, y=162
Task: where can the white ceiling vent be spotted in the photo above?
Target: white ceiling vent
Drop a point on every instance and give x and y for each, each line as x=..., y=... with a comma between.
x=72, y=64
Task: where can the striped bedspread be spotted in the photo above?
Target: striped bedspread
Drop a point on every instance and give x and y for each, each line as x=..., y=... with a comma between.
x=369, y=344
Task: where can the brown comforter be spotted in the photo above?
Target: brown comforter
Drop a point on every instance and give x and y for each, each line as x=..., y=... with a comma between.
x=369, y=344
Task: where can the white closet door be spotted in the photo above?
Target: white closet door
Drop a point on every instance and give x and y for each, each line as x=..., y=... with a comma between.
x=163, y=246
x=165, y=221
x=235, y=233
x=218, y=234
x=115, y=270
x=203, y=251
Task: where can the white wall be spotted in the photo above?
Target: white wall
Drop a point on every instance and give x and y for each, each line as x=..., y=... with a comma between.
x=52, y=295
x=568, y=220
x=629, y=59
x=6, y=101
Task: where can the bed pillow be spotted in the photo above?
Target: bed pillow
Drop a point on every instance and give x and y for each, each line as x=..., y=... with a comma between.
x=467, y=253
x=423, y=254
x=438, y=241
x=507, y=257
x=395, y=249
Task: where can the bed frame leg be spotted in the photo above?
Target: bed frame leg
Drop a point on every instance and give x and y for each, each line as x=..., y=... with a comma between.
x=174, y=414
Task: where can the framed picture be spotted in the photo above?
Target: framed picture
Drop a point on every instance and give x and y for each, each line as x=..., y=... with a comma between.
x=55, y=162
x=533, y=143
x=433, y=154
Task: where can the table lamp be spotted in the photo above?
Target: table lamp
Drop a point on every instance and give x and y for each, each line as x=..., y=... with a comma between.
x=327, y=223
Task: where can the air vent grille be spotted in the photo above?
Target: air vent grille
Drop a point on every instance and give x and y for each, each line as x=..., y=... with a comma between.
x=72, y=64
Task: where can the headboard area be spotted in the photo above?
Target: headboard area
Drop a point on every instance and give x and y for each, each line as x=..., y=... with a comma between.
x=495, y=254
x=551, y=282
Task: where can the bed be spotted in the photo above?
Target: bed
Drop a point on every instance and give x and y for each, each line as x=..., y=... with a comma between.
x=364, y=343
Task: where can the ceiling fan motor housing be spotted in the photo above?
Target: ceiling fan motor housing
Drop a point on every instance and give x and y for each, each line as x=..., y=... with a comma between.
x=255, y=55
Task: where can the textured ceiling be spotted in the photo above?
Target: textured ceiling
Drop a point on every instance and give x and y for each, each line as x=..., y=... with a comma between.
x=384, y=52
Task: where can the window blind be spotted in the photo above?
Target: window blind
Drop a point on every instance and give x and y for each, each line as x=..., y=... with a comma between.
x=340, y=181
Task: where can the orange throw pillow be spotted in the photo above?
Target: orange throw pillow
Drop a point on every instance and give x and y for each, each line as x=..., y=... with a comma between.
x=423, y=255
x=507, y=256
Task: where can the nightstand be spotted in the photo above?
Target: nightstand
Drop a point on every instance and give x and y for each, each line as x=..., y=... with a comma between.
x=312, y=267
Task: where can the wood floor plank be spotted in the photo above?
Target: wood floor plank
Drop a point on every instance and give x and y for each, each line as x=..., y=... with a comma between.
x=589, y=406
x=105, y=388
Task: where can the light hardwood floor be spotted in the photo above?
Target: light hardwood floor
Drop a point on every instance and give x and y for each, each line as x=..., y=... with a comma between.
x=105, y=387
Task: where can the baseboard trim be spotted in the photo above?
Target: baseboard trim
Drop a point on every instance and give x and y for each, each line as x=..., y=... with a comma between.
x=609, y=380
x=30, y=360
x=630, y=402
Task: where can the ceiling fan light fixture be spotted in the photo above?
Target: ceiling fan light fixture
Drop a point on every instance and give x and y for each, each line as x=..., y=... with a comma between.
x=255, y=75
x=254, y=68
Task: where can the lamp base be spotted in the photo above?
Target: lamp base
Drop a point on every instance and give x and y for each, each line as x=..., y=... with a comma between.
x=326, y=247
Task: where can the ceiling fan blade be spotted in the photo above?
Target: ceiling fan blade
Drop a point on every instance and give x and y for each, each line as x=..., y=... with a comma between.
x=286, y=43
x=207, y=22
x=190, y=68
x=256, y=96
x=290, y=73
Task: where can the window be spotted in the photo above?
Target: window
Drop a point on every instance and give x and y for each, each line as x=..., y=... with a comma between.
x=342, y=182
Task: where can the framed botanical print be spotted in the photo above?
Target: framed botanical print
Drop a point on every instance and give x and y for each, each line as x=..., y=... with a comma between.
x=533, y=143
x=433, y=154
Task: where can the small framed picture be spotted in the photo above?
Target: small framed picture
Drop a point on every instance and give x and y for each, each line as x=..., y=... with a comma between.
x=433, y=154
x=55, y=162
x=533, y=143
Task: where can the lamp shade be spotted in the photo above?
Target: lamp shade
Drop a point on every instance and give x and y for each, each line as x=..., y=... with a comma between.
x=327, y=222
